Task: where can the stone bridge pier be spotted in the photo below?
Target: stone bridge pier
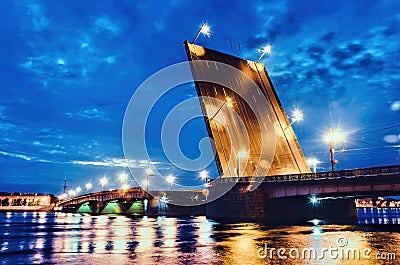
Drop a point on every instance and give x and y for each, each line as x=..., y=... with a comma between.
x=238, y=205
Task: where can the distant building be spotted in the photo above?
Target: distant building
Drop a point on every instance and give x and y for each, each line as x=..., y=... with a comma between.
x=26, y=199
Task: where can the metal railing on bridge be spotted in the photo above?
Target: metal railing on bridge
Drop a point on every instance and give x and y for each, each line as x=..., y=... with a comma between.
x=386, y=170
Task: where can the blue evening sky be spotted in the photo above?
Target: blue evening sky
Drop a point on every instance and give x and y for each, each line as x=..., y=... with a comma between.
x=69, y=68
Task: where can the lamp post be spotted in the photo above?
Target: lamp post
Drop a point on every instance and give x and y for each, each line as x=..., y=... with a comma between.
x=79, y=189
x=228, y=101
x=103, y=181
x=72, y=193
x=149, y=172
x=331, y=150
x=205, y=29
x=122, y=178
x=241, y=154
x=204, y=176
x=334, y=137
x=170, y=179
x=297, y=115
x=313, y=162
x=88, y=186
x=265, y=50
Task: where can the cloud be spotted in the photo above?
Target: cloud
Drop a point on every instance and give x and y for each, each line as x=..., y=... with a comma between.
x=89, y=114
x=104, y=24
x=15, y=155
x=106, y=162
x=36, y=13
x=328, y=37
x=391, y=138
x=395, y=106
x=117, y=162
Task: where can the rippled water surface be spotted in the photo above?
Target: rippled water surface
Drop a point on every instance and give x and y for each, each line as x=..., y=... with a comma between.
x=54, y=238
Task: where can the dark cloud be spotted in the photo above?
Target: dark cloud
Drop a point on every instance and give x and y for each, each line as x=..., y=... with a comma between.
x=255, y=42
x=328, y=37
x=355, y=48
x=340, y=54
x=392, y=28
x=315, y=52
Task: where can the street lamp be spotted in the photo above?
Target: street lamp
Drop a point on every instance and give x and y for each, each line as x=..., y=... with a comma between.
x=204, y=176
x=122, y=178
x=204, y=29
x=240, y=155
x=265, y=50
x=72, y=193
x=333, y=137
x=313, y=162
x=79, y=189
x=88, y=186
x=149, y=172
x=297, y=115
x=228, y=102
x=103, y=181
x=170, y=179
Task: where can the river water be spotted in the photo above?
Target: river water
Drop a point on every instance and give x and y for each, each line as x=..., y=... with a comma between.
x=57, y=238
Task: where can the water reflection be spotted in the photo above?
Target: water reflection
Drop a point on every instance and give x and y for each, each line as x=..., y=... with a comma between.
x=33, y=238
x=378, y=215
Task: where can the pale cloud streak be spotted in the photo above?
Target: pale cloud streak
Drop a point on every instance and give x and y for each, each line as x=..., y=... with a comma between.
x=89, y=114
x=24, y=157
x=117, y=162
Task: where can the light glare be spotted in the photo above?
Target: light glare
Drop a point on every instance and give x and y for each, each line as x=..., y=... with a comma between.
x=336, y=136
x=266, y=49
x=170, y=179
x=204, y=174
x=313, y=161
x=297, y=115
x=103, y=181
x=206, y=30
x=314, y=200
x=123, y=177
x=149, y=171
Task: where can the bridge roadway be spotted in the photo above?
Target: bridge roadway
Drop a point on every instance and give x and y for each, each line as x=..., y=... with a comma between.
x=362, y=182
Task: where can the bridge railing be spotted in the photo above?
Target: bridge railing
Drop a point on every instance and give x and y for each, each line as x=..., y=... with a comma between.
x=320, y=175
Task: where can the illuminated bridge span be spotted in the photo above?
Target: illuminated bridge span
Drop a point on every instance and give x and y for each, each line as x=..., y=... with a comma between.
x=135, y=201
x=300, y=197
x=354, y=181
x=128, y=194
x=113, y=201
